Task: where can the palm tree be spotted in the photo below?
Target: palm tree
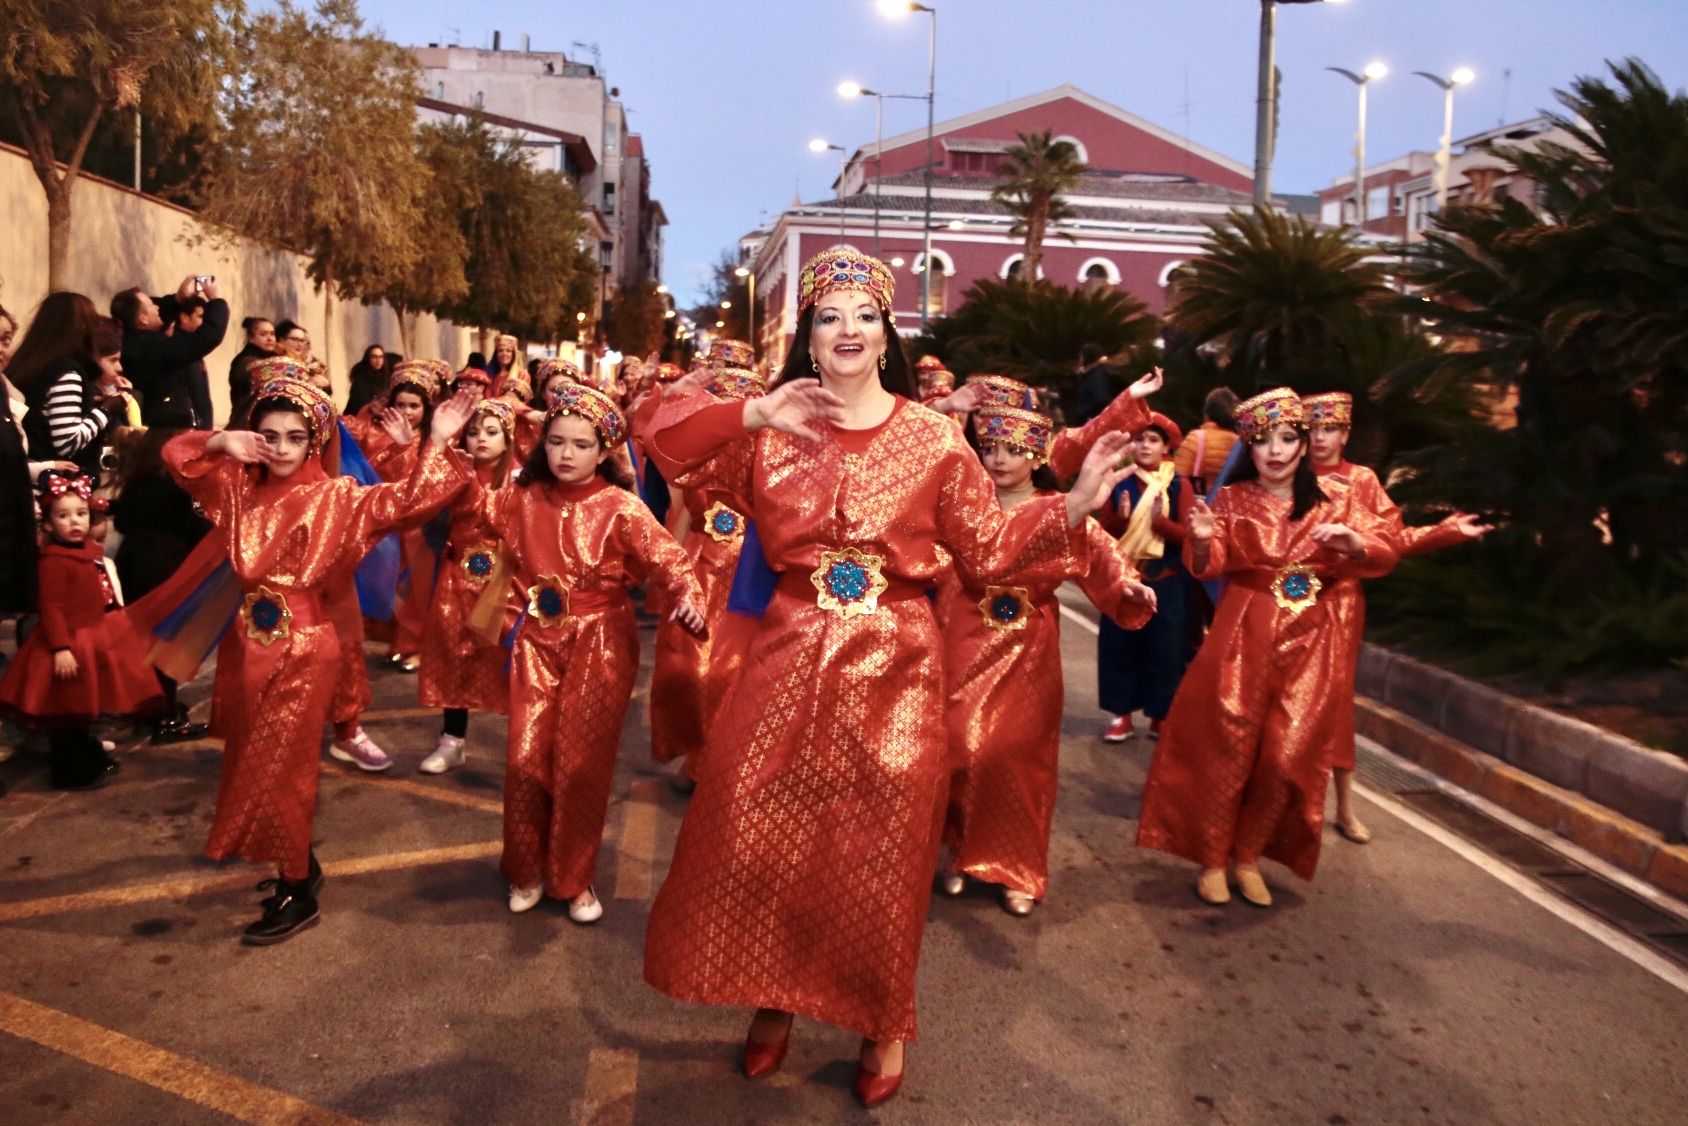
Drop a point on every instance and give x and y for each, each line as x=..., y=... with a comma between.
x=1032, y=176
x=1277, y=296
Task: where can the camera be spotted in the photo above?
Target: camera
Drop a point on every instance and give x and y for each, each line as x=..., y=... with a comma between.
x=200, y=281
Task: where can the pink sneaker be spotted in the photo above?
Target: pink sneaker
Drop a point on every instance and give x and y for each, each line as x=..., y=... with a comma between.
x=361, y=751
x=1118, y=731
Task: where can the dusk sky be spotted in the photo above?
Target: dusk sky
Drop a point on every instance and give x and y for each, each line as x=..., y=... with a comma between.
x=728, y=94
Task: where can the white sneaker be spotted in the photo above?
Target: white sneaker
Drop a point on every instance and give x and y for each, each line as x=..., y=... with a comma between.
x=360, y=750
x=448, y=754
x=107, y=746
x=1017, y=902
x=525, y=899
x=585, y=908
x=951, y=882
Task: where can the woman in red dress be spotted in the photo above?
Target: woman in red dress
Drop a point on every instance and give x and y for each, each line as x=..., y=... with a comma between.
x=1002, y=671
x=1240, y=769
x=803, y=870
x=295, y=531
x=83, y=661
x=1330, y=417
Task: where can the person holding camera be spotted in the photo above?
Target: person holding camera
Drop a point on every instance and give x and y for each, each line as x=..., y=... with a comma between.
x=164, y=353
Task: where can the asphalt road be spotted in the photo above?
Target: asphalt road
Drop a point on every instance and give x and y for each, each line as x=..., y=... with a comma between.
x=1407, y=984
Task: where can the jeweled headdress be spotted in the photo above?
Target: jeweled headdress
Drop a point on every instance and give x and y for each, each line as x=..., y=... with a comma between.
x=548, y=368
x=730, y=353
x=501, y=409
x=1330, y=408
x=276, y=379
x=503, y=339
x=429, y=375
x=844, y=267
x=1257, y=415
x=737, y=383
x=595, y=407
x=937, y=384
x=927, y=364
x=1026, y=431
x=669, y=373
x=515, y=383
x=1004, y=391
x=473, y=375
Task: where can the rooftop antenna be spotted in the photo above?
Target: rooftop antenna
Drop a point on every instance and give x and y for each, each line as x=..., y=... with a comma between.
x=1184, y=109
x=592, y=49
x=1505, y=94
x=455, y=37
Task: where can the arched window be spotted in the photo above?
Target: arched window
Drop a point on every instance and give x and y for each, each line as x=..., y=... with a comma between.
x=1078, y=146
x=943, y=268
x=1098, y=273
x=1011, y=267
x=1167, y=272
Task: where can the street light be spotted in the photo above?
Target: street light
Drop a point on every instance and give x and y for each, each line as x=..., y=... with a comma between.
x=1373, y=72
x=857, y=90
x=819, y=145
x=750, y=279
x=897, y=8
x=1445, y=155
x=1265, y=103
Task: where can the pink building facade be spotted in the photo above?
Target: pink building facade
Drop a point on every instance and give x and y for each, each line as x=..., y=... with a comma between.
x=1142, y=210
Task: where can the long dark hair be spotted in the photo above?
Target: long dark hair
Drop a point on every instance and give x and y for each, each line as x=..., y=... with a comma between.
x=63, y=325
x=537, y=471
x=420, y=392
x=1305, y=491
x=896, y=376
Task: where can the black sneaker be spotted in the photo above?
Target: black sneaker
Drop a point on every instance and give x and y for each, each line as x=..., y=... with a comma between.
x=313, y=883
x=178, y=729
x=290, y=910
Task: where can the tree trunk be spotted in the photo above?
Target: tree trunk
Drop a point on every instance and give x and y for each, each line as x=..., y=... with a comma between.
x=1034, y=246
x=59, y=185
x=407, y=331
x=328, y=330
x=58, y=233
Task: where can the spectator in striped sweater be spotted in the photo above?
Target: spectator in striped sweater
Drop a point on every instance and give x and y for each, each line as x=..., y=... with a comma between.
x=65, y=354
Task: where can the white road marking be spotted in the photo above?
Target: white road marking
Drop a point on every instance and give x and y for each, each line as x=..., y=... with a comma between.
x=1592, y=925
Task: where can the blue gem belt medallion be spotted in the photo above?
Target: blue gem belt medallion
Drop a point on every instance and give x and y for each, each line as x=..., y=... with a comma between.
x=1006, y=607
x=1295, y=588
x=848, y=582
x=267, y=617
x=722, y=523
x=548, y=601
x=479, y=562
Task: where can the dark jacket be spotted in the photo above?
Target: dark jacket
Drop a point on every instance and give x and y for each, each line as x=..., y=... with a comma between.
x=240, y=381
x=160, y=529
x=37, y=424
x=17, y=517
x=169, y=370
x=1096, y=389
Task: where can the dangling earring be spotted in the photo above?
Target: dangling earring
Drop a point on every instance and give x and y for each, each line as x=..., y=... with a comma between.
x=814, y=363
x=883, y=361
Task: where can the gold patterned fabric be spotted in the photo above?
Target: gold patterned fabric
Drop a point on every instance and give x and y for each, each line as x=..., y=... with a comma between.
x=1003, y=691
x=1244, y=756
x=803, y=869
x=459, y=669
x=1067, y=452
x=684, y=690
x=570, y=681
x=302, y=536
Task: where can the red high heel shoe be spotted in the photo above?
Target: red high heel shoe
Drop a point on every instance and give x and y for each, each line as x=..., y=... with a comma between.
x=765, y=1059
x=872, y=1089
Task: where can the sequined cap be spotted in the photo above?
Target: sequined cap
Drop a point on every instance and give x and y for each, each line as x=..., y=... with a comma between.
x=730, y=353
x=1258, y=414
x=844, y=267
x=1330, y=408
x=548, y=368
x=926, y=364
x=1004, y=391
x=501, y=409
x=669, y=373
x=936, y=384
x=595, y=407
x=430, y=375
x=1025, y=431
x=516, y=383
x=312, y=402
x=472, y=375
x=736, y=383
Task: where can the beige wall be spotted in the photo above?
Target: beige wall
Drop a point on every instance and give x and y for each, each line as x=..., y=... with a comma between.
x=120, y=238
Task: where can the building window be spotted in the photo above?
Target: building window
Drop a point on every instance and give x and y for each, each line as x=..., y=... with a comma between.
x=609, y=199
x=439, y=90
x=943, y=267
x=1377, y=203
x=480, y=99
x=1011, y=267
x=1098, y=273
x=1078, y=146
x=1330, y=213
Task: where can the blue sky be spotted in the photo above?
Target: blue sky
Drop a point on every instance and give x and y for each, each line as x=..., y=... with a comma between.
x=727, y=94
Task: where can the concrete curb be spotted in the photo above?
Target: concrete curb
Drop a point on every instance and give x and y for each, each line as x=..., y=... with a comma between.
x=1641, y=784
x=1627, y=844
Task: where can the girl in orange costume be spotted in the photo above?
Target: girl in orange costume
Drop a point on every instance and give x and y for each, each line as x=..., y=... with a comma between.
x=803, y=871
x=83, y=661
x=686, y=686
x=577, y=542
x=463, y=668
x=1239, y=772
x=1330, y=417
x=294, y=533
x=1002, y=669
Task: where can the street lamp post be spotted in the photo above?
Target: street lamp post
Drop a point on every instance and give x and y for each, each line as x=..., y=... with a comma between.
x=1445, y=154
x=1371, y=74
x=1266, y=95
x=857, y=90
x=896, y=7
x=820, y=144
x=750, y=279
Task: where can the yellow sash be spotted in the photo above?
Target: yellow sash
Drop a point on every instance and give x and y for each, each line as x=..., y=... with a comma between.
x=1139, y=540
